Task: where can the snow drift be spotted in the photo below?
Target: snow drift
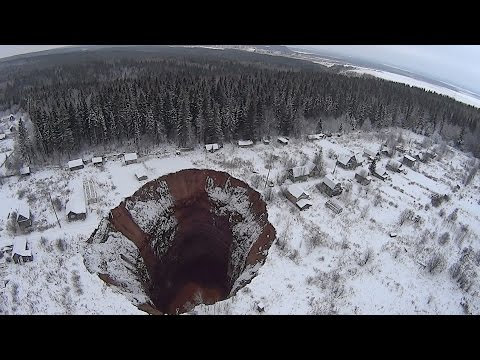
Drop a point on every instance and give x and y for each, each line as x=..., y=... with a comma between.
x=199, y=236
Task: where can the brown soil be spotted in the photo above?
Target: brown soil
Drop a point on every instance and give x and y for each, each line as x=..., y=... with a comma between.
x=197, y=261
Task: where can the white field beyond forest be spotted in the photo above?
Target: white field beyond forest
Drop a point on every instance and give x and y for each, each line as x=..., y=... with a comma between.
x=317, y=264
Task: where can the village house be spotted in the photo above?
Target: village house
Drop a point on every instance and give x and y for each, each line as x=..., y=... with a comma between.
x=380, y=173
x=212, y=147
x=282, y=140
x=75, y=164
x=371, y=154
x=408, y=160
x=301, y=173
x=394, y=165
x=130, y=158
x=21, y=253
x=349, y=162
x=75, y=207
x=330, y=186
x=97, y=161
x=24, y=216
x=299, y=197
x=245, y=143
x=361, y=175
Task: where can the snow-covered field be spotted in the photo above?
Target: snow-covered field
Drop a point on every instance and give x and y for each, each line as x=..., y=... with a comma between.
x=459, y=96
x=320, y=263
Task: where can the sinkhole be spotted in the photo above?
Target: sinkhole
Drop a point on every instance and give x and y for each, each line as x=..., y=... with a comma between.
x=190, y=237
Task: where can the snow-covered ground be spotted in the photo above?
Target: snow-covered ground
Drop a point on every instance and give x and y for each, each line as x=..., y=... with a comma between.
x=459, y=96
x=320, y=263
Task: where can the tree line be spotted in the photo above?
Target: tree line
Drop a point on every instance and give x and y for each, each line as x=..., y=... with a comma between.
x=205, y=100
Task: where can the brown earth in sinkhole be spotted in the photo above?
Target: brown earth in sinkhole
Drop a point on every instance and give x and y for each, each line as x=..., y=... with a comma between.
x=196, y=263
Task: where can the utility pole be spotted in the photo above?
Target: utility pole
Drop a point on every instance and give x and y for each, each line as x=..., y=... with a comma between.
x=53, y=206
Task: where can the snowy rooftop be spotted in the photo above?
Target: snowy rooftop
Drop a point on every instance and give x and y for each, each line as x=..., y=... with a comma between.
x=408, y=157
x=76, y=204
x=209, y=147
x=330, y=181
x=19, y=247
x=315, y=136
x=140, y=173
x=25, y=170
x=97, y=160
x=245, y=142
x=370, y=152
x=297, y=191
x=283, y=140
x=362, y=172
x=304, y=202
x=75, y=163
x=2, y=136
x=23, y=210
x=344, y=159
x=130, y=156
x=394, y=163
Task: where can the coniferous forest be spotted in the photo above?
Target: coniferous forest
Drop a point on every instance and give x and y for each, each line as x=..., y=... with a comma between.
x=191, y=98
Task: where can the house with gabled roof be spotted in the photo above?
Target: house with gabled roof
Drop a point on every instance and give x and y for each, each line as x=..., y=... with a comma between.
x=330, y=186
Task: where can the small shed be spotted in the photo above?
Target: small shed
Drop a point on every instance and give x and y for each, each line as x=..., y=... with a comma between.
x=408, y=160
x=141, y=175
x=282, y=140
x=130, y=158
x=21, y=253
x=97, y=161
x=75, y=207
x=212, y=147
x=2, y=136
x=266, y=140
x=387, y=151
x=394, y=165
x=330, y=186
x=304, y=204
x=245, y=143
x=24, y=216
x=314, y=137
x=75, y=164
x=361, y=175
x=25, y=171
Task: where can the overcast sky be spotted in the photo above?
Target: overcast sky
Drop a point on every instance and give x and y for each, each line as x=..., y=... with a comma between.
x=458, y=64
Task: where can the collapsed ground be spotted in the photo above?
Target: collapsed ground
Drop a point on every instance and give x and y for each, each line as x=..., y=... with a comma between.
x=320, y=263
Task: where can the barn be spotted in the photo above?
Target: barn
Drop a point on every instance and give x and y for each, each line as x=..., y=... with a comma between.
x=21, y=253
x=75, y=164
x=75, y=207
x=330, y=186
x=24, y=216
x=130, y=158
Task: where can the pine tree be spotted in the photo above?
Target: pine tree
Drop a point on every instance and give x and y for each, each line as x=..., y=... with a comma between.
x=24, y=145
x=373, y=166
